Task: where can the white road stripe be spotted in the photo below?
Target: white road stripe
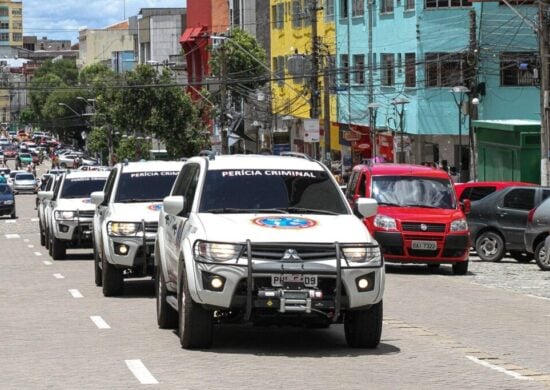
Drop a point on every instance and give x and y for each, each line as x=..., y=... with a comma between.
x=75, y=293
x=141, y=372
x=30, y=246
x=58, y=276
x=12, y=236
x=100, y=322
x=35, y=219
x=47, y=262
x=37, y=254
x=10, y=221
x=26, y=240
x=537, y=297
x=513, y=374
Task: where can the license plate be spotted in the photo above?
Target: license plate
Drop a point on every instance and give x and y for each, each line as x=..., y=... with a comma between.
x=424, y=245
x=306, y=280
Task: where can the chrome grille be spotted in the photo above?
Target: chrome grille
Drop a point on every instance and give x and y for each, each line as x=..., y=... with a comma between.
x=277, y=251
x=416, y=227
x=85, y=214
x=422, y=237
x=151, y=227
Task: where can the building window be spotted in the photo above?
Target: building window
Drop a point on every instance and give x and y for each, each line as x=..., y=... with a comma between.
x=444, y=69
x=331, y=61
x=298, y=66
x=18, y=25
x=17, y=12
x=359, y=69
x=388, y=70
x=17, y=37
x=297, y=14
x=344, y=12
x=386, y=6
x=517, y=69
x=344, y=64
x=4, y=25
x=409, y=5
x=329, y=9
x=447, y=3
x=4, y=37
x=410, y=70
x=4, y=11
x=278, y=18
x=358, y=8
x=279, y=69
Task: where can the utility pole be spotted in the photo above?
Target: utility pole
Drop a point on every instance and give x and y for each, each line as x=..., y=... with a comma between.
x=223, y=99
x=472, y=108
x=544, y=52
x=326, y=113
x=314, y=8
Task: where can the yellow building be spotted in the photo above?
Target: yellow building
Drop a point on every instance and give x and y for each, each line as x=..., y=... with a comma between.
x=293, y=53
x=99, y=45
x=11, y=23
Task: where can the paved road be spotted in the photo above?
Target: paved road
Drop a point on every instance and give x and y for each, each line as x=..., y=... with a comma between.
x=486, y=330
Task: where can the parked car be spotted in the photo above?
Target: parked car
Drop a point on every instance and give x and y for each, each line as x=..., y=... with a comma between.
x=11, y=177
x=25, y=182
x=477, y=190
x=67, y=160
x=7, y=201
x=10, y=152
x=126, y=221
x=419, y=219
x=498, y=221
x=536, y=232
x=25, y=158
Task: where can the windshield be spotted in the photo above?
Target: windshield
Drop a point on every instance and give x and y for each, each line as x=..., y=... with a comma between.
x=4, y=189
x=24, y=176
x=411, y=191
x=82, y=187
x=288, y=191
x=145, y=186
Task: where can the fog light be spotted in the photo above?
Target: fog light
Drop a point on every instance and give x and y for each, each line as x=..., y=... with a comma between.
x=63, y=228
x=216, y=283
x=363, y=284
x=123, y=249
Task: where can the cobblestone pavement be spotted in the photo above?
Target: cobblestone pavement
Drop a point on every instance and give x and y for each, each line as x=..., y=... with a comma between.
x=486, y=330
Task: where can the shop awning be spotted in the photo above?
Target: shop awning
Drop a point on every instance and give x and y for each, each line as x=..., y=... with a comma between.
x=191, y=34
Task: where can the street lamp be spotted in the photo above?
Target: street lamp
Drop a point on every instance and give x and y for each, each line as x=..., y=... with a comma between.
x=373, y=110
x=401, y=102
x=459, y=92
x=69, y=107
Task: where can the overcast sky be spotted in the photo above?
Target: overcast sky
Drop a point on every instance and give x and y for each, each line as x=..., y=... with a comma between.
x=62, y=19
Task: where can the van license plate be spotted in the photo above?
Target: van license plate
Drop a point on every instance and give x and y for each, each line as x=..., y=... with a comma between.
x=424, y=245
x=307, y=280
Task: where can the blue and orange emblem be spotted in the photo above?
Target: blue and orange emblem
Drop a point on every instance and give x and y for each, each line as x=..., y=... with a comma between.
x=87, y=200
x=285, y=222
x=155, y=206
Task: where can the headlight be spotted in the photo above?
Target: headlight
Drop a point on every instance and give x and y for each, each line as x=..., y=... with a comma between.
x=385, y=222
x=459, y=225
x=123, y=228
x=8, y=202
x=217, y=252
x=362, y=254
x=64, y=215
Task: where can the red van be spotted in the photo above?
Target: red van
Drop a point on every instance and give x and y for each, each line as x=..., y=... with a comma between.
x=419, y=218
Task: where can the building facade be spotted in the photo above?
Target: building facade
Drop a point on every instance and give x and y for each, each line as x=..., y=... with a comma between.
x=11, y=23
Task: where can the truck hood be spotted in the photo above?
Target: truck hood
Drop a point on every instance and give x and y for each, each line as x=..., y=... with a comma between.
x=421, y=214
x=147, y=211
x=284, y=228
x=84, y=204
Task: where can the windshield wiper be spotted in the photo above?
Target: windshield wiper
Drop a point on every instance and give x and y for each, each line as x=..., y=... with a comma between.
x=234, y=210
x=139, y=200
x=301, y=210
x=390, y=204
x=423, y=206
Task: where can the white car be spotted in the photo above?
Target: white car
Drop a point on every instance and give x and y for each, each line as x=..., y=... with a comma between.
x=126, y=221
x=42, y=205
x=266, y=239
x=71, y=211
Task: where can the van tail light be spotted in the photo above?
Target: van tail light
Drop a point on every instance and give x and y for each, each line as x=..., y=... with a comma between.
x=531, y=215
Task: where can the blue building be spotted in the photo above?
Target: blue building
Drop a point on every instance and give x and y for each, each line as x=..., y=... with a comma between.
x=403, y=57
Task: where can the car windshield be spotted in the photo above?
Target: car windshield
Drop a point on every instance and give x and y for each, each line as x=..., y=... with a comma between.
x=24, y=176
x=413, y=191
x=145, y=186
x=81, y=187
x=285, y=191
x=4, y=189
x=24, y=155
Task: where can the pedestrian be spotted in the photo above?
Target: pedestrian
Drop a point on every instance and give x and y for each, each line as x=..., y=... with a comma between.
x=17, y=162
x=3, y=178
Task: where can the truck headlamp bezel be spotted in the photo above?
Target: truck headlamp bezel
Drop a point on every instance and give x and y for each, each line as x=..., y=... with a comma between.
x=123, y=229
x=217, y=252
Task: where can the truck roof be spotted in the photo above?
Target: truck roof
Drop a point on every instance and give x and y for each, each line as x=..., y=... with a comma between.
x=151, y=166
x=255, y=161
x=402, y=170
x=82, y=174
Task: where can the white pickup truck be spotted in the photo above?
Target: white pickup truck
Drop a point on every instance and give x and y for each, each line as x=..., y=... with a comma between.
x=126, y=221
x=266, y=239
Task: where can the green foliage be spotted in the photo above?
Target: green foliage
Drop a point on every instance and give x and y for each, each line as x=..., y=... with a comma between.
x=97, y=142
x=133, y=149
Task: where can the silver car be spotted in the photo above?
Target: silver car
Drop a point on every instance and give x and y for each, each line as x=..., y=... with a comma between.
x=536, y=232
x=67, y=160
x=25, y=182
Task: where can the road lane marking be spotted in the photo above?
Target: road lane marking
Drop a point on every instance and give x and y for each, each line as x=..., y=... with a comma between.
x=26, y=240
x=30, y=246
x=537, y=297
x=58, y=276
x=75, y=293
x=37, y=254
x=46, y=262
x=10, y=221
x=35, y=219
x=513, y=374
x=100, y=322
x=141, y=372
x=12, y=236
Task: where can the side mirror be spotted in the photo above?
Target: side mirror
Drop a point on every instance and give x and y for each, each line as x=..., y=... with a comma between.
x=367, y=207
x=173, y=205
x=466, y=206
x=42, y=195
x=97, y=197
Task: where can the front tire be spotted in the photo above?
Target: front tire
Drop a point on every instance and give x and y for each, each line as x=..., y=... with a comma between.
x=98, y=277
x=540, y=257
x=490, y=246
x=167, y=317
x=112, y=279
x=42, y=236
x=460, y=268
x=59, y=250
x=195, y=323
x=363, y=329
